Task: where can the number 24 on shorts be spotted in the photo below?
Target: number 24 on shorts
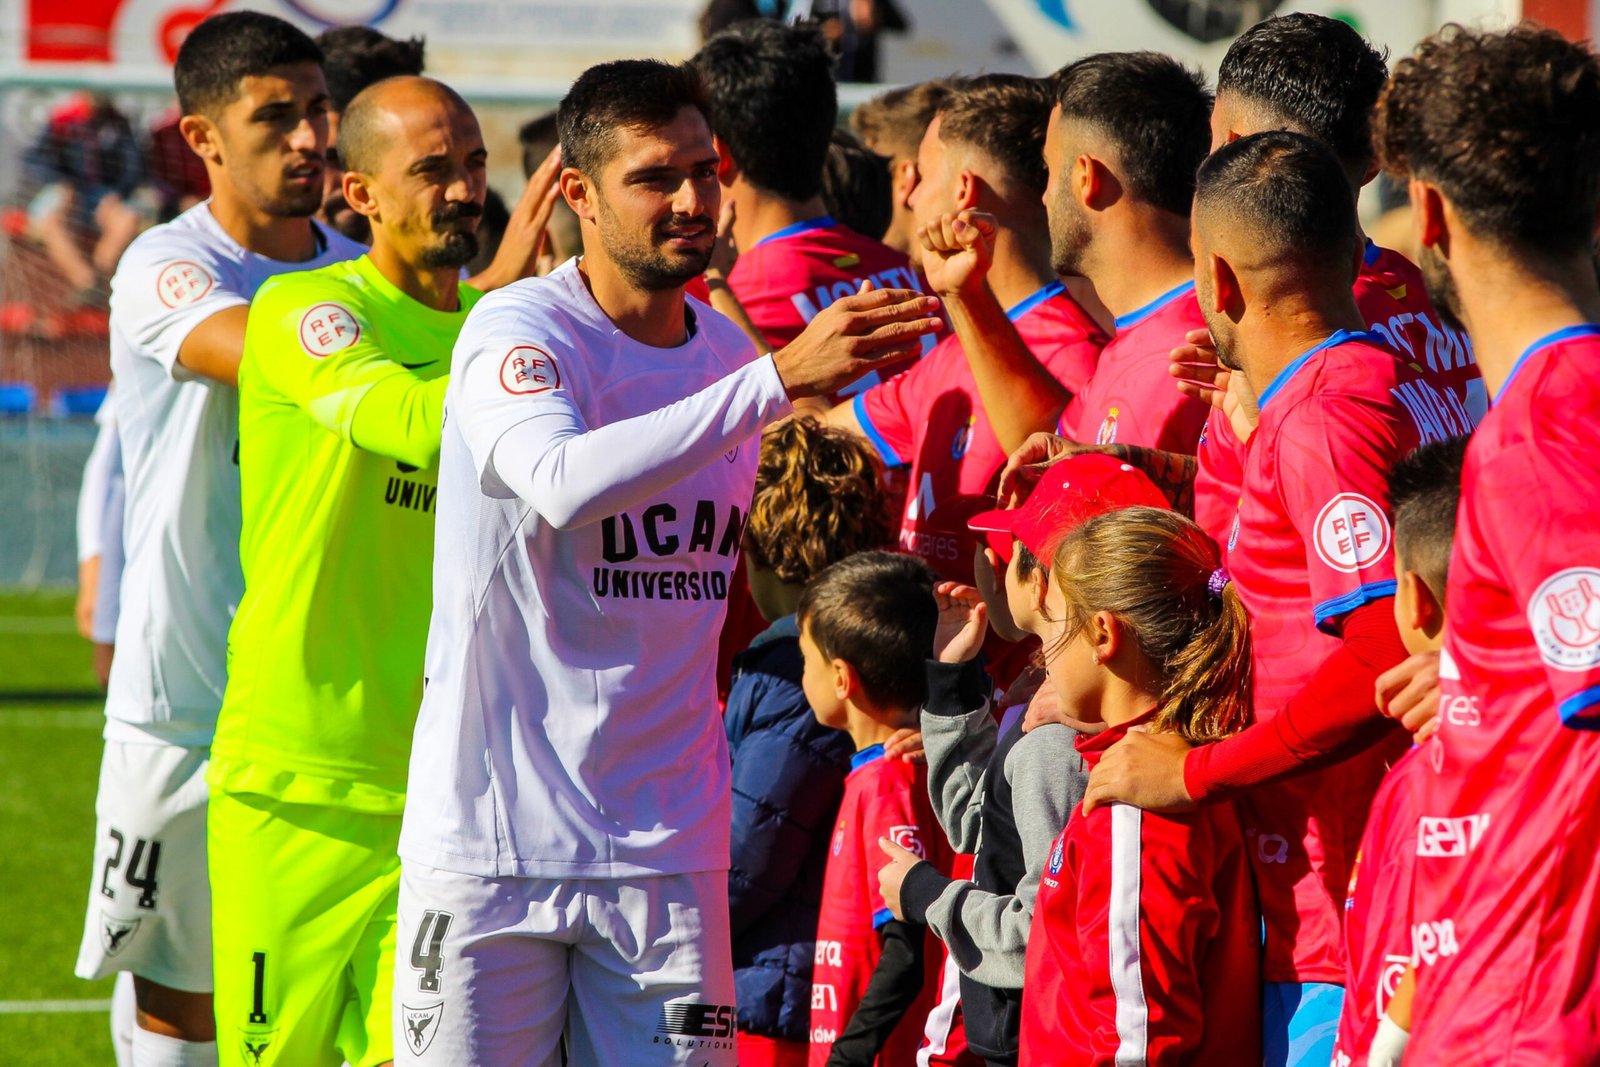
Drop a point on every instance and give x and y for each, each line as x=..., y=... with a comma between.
x=140, y=872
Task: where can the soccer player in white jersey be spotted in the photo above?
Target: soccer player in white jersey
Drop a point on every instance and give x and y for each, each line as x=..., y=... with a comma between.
x=564, y=850
x=254, y=103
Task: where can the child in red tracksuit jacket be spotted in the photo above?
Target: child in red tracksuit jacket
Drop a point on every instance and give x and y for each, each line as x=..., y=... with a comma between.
x=1146, y=940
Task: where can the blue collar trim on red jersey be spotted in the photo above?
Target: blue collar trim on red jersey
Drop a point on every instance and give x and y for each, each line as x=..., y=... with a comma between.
x=866, y=756
x=1133, y=318
x=1372, y=253
x=824, y=223
x=1568, y=333
x=1339, y=337
x=1022, y=307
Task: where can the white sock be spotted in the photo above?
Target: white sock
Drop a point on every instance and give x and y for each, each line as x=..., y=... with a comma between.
x=123, y=1011
x=159, y=1050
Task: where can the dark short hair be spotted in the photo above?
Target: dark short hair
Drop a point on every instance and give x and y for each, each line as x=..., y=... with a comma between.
x=634, y=94
x=773, y=103
x=225, y=49
x=855, y=186
x=875, y=611
x=354, y=57
x=537, y=137
x=893, y=122
x=1424, y=491
x=1004, y=116
x=1508, y=126
x=1289, y=190
x=1315, y=73
x=1155, y=111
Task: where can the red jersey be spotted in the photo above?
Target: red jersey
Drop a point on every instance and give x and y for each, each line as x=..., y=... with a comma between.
x=1506, y=855
x=1377, y=909
x=882, y=798
x=1131, y=398
x=932, y=418
x=788, y=276
x=1312, y=542
x=1146, y=942
x=1393, y=300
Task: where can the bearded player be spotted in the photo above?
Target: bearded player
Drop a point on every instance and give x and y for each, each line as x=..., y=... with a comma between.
x=564, y=851
x=253, y=100
x=1504, y=189
x=341, y=395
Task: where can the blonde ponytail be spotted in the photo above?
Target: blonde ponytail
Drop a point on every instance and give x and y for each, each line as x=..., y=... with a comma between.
x=1162, y=577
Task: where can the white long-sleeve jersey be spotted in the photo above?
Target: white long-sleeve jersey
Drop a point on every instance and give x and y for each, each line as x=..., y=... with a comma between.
x=592, y=494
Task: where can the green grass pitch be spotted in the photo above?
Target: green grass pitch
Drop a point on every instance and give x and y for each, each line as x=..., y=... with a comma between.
x=49, y=762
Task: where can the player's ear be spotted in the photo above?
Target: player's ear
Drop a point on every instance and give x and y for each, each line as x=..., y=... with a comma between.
x=1038, y=584
x=846, y=682
x=357, y=191
x=967, y=186
x=1427, y=614
x=1428, y=216
x=1226, y=295
x=1086, y=181
x=200, y=134
x=1106, y=634
x=904, y=181
x=727, y=169
x=578, y=193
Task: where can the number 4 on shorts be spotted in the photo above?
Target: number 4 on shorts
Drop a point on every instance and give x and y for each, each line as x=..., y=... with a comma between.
x=427, y=951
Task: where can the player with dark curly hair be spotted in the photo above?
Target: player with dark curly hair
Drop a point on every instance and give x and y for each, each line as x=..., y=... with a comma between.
x=1498, y=135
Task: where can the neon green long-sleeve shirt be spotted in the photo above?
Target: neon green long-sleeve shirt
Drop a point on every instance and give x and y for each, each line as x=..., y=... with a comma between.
x=341, y=402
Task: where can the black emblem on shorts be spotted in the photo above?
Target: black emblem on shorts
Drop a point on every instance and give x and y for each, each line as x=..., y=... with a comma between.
x=116, y=933
x=421, y=1025
x=253, y=1044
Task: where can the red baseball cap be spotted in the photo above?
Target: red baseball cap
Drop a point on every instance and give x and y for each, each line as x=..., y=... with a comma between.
x=1071, y=492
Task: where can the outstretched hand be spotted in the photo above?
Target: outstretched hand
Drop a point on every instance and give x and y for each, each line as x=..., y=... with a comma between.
x=525, y=232
x=853, y=335
x=963, y=622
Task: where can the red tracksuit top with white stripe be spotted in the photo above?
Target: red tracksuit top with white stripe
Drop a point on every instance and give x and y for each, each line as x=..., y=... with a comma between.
x=1146, y=940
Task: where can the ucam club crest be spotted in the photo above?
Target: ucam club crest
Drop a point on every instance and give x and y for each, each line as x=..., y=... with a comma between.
x=1564, y=615
x=116, y=933
x=421, y=1024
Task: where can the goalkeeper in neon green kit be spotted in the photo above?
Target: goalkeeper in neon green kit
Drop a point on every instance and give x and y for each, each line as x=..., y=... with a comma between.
x=341, y=396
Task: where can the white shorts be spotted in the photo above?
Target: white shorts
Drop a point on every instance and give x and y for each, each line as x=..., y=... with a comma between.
x=495, y=971
x=149, y=896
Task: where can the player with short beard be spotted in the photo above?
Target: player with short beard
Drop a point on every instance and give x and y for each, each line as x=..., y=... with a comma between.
x=1310, y=553
x=253, y=100
x=341, y=395
x=565, y=845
